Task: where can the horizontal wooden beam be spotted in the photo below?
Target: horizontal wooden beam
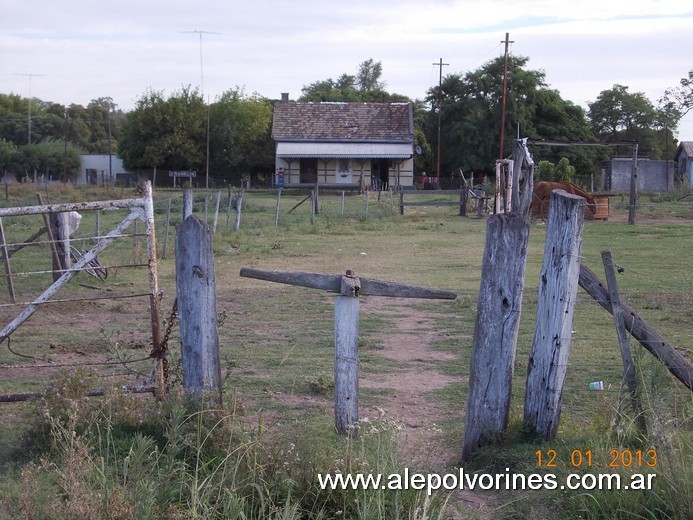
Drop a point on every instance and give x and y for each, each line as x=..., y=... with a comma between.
x=332, y=283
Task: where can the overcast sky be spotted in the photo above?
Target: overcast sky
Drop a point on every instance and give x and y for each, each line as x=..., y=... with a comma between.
x=81, y=50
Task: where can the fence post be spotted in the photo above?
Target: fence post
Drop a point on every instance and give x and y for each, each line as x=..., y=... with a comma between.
x=346, y=345
x=187, y=203
x=6, y=261
x=622, y=334
x=493, y=350
x=239, y=206
x=168, y=223
x=276, y=208
x=196, y=293
x=216, y=213
x=557, y=293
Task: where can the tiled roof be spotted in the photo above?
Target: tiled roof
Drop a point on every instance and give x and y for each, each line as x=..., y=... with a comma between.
x=342, y=121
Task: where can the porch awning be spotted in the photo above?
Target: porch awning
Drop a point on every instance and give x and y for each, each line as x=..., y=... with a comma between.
x=345, y=150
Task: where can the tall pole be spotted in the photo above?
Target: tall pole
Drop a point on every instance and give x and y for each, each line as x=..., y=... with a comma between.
x=29, y=125
x=202, y=93
x=440, y=111
x=505, y=93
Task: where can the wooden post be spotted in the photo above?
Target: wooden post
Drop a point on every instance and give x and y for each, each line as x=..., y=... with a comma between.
x=342, y=203
x=196, y=293
x=313, y=204
x=401, y=202
x=216, y=213
x=495, y=332
x=61, y=234
x=558, y=284
x=349, y=289
x=346, y=344
x=276, y=208
x=239, y=206
x=6, y=261
x=229, y=201
x=168, y=224
x=633, y=186
x=187, y=203
x=366, y=204
x=463, y=200
x=626, y=355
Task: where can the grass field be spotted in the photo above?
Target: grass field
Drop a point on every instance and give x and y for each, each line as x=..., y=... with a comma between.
x=277, y=352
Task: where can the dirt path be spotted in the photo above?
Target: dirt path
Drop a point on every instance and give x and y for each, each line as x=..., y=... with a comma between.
x=407, y=340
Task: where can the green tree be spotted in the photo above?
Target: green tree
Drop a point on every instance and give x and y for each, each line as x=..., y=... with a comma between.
x=165, y=133
x=680, y=98
x=365, y=86
x=240, y=142
x=619, y=115
x=471, y=108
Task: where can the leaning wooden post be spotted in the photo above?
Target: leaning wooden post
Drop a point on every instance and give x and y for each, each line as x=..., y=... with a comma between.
x=154, y=312
x=276, y=208
x=196, y=293
x=346, y=346
x=647, y=336
x=495, y=332
x=626, y=354
x=558, y=284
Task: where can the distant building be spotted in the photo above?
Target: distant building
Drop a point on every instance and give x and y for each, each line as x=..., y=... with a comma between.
x=684, y=160
x=343, y=144
x=103, y=170
x=653, y=176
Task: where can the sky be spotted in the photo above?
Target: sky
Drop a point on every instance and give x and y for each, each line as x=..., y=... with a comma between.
x=75, y=51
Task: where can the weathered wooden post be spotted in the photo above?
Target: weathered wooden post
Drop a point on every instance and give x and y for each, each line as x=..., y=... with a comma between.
x=346, y=351
x=626, y=354
x=558, y=284
x=239, y=206
x=641, y=330
x=496, y=328
x=187, y=203
x=197, y=308
x=349, y=289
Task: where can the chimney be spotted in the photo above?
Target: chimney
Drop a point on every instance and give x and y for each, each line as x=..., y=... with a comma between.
x=285, y=97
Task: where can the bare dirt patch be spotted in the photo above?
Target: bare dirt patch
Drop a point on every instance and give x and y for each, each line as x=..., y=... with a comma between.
x=408, y=340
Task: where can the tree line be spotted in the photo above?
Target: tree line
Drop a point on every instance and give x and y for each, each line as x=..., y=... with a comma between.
x=231, y=136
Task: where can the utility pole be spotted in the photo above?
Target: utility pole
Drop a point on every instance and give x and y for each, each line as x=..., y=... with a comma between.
x=440, y=64
x=29, y=76
x=202, y=93
x=507, y=41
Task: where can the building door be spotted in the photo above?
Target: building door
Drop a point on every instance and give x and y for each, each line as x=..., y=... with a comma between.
x=380, y=174
x=308, y=171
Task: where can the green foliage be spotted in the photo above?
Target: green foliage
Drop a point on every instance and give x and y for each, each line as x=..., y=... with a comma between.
x=182, y=461
x=619, y=115
x=365, y=86
x=471, y=114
